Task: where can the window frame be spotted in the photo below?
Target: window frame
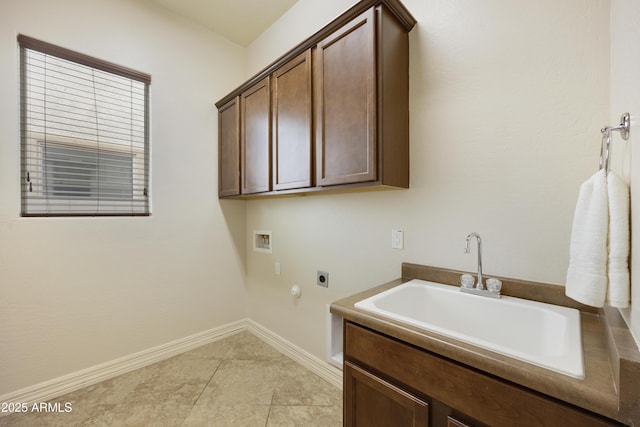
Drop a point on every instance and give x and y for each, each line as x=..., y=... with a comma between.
x=31, y=137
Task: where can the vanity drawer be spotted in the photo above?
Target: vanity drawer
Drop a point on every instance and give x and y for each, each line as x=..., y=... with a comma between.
x=481, y=397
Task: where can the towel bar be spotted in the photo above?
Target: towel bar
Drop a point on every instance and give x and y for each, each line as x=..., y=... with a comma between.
x=624, y=128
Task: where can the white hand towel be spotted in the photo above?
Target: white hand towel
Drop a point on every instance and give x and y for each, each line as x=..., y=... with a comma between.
x=587, y=272
x=618, y=292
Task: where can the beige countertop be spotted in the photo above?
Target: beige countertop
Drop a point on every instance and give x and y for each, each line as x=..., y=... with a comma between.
x=597, y=392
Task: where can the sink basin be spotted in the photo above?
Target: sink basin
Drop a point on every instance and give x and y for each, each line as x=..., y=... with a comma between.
x=545, y=335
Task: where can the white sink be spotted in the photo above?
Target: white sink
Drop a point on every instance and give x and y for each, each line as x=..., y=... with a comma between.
x=545, y=335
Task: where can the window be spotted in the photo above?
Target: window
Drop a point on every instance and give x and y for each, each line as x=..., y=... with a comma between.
x=84, y=132
x=107, y=173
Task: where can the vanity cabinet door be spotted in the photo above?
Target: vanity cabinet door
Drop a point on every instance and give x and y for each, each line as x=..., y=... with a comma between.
x=452, y=422
x=229, y=148
x=346, y=104
x=371, y=401
x=292, y=112
x=255, y=137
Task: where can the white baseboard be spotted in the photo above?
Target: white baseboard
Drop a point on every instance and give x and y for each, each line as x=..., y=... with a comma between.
x=56, y=387
x=319, y=367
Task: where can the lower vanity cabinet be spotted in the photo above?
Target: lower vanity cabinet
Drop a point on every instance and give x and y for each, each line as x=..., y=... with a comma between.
x=388, y=382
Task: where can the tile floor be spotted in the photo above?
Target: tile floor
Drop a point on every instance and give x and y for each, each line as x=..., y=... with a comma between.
x=235, y=382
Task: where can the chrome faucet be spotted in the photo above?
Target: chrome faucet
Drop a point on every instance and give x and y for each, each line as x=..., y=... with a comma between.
x=466, y=280
x=479, y=285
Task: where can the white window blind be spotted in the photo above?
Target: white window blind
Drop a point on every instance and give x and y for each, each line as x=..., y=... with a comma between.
x=85, y=136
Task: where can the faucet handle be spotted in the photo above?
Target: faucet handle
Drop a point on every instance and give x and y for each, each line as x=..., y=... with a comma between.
x=494, y=285
x=466, y=280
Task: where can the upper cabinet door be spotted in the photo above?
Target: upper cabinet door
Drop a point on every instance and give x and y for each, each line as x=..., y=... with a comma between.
x=292, y=112
x=255, y=137
x=229, y=148
x=346, y=104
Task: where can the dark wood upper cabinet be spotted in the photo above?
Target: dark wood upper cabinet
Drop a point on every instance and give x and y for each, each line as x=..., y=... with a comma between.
x=292, y=124
x=255, y=127
x=362, y=102
x=332, y=113
x=346, y=104
x=229, y=148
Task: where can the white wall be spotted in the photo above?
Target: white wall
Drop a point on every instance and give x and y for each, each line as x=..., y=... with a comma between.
x=77, y=292
x=507, y=100
x=625, y=97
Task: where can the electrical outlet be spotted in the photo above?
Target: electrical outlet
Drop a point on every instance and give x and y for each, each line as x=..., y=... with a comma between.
x=323, y=279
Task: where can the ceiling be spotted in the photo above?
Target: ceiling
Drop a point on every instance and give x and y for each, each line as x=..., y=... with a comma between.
x=241, y=21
